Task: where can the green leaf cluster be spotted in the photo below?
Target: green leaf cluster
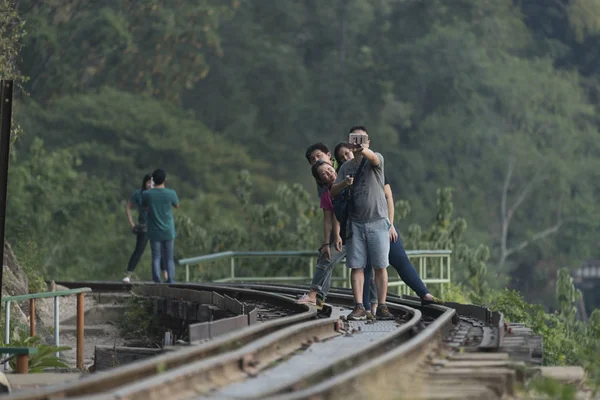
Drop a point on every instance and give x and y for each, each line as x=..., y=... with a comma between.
x=566, y=339
x=44, y=359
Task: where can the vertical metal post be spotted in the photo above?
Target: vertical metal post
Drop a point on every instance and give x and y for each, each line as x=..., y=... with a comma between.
x=448, y=273
x=31, y=317
x=311, y=267
x=187, y=272
x=6, y=328
x=232, y=268
x=6, y=94
x=22, y=364
x=80, y=327
x=7, y=323
x=56, y=325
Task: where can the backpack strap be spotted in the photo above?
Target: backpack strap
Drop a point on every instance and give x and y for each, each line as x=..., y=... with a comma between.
x=356, y=176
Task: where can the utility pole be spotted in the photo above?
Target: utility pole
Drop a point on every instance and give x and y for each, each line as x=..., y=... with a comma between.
x=6, y=99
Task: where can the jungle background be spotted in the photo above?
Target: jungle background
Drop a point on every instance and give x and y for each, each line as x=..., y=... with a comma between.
x=485, y=111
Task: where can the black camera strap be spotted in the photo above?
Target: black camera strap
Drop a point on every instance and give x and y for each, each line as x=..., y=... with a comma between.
x=356, y=176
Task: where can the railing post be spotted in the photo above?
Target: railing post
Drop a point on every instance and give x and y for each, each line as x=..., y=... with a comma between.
x=6, y=328
x=448, y=272
x=22, y=364
x=311, y=265
x=31, y=317
x=187, y=272
x=232, y=268
x=80, y=331
x=56, y=324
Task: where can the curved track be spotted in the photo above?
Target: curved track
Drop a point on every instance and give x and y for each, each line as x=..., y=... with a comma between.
x=301, y=354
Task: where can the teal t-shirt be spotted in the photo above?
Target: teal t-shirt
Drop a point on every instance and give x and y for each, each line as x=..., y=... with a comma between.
x=159, y=202
x=137, y=200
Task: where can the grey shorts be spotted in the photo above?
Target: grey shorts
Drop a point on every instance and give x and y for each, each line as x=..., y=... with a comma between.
x=369, y=239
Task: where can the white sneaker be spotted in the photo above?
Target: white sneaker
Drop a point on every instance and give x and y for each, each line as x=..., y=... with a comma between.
x=305, y=299
x=127, y=279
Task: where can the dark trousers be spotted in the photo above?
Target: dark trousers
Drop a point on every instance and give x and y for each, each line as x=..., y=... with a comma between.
x=141, y=242
x=399, y=260
x=162, y=250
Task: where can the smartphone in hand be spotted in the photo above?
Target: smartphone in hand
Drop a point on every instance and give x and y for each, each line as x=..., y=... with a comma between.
x=358, y=138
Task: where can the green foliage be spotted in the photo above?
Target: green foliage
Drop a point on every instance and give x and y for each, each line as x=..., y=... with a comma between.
x=30, y=260
x=139, y=322
x=289, y=221
x=11, y=33
x=45, y=357
x=455, y=293
x=119, y=137
x=446, y=233
x=76, y=192
x=552, y=388
x=566, y=340
x=61, y=212
x=152, y=47
x=496, y=99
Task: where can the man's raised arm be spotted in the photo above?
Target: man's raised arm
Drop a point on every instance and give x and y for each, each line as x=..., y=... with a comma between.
x=371, y=156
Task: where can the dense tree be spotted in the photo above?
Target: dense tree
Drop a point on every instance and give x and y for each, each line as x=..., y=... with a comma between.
x=494, y=98
x=153, y=47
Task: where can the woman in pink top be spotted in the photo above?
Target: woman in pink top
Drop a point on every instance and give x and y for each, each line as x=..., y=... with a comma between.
x=331, y=250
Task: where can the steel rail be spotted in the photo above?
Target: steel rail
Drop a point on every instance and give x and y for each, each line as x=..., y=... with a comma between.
x=383, y=371
x=126, y=374
x=180, y=373
x=207, y=375
x=360, y=376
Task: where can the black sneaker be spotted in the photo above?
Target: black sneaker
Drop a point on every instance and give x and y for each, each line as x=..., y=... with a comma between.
x=384, y=313
x=358, y=314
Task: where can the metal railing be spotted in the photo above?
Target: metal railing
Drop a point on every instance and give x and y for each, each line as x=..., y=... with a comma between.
x=433, y=267
x=32, y=297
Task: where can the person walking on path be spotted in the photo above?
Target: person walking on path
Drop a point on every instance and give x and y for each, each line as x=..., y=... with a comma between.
x=161, y=226
x=140, y=230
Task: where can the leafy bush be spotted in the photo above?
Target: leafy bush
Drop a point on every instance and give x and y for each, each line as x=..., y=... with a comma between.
x=567, y=341
x=552, y=388
x=45, y=357
x=139, y=323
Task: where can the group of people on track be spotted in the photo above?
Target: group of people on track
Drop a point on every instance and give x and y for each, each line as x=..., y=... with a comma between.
x=367, y=238
x=358, y=215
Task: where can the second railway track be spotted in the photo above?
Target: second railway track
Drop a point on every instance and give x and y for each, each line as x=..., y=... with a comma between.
x=297, y=356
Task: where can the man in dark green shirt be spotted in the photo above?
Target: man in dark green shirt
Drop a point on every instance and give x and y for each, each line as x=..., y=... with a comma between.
x=161, y=227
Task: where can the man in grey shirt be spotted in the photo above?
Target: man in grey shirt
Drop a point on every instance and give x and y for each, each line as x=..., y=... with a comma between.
x=369, y=221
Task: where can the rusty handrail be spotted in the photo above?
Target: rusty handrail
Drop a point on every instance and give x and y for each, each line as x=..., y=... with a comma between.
x=32, y=297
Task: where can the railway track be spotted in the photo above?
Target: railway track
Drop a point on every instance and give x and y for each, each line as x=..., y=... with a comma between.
x=297, y=352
